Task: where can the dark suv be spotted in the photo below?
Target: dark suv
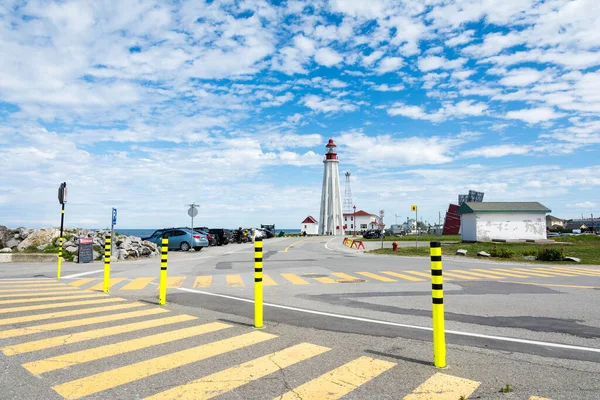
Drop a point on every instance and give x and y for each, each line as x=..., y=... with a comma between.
x=223, y=235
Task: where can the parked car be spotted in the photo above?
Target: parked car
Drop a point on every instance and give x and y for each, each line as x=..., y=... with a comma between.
x=180, y=238
x=373, y=234
x=223, y=236
x=212, y=240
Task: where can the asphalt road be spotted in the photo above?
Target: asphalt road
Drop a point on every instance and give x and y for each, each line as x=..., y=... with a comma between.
x=534, y=328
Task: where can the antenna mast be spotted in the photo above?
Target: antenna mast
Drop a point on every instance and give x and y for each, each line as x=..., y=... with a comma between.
x=348, y=196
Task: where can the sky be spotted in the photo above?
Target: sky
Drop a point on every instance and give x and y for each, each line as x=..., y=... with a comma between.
x=150, y=105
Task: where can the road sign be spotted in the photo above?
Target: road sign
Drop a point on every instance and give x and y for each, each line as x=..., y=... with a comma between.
x=413, y=208
x=114, y=216
x=62, y=193
x=192, y=211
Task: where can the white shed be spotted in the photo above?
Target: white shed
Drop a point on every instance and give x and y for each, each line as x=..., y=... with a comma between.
x=310, y=226
x=486, y=221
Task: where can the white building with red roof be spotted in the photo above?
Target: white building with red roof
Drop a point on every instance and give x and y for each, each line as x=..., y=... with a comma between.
x=364, y=221
x=310, y=226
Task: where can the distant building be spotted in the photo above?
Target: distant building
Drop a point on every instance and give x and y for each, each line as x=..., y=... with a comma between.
x=483, y=222
x=310, y=226
x=364, y=221
x=553, y=222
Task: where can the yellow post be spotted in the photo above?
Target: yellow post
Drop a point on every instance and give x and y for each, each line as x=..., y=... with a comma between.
x=258, y=285
x=60, y=249
x=107, y=244
x=162, y=291
x=437, y=291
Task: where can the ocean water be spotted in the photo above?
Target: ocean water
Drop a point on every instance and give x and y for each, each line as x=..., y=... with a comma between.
x=147, y=232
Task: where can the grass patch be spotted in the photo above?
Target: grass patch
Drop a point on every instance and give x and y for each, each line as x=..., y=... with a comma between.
x=584, y=247
x=412, y=238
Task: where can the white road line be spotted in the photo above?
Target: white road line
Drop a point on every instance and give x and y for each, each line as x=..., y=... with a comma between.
x=422, y=328
x=81, y=274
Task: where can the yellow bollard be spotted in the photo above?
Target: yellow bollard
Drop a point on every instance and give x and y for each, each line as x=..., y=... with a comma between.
x=437, y=291
x=107, y=244
x=258, y=284
x=60, y=249
x=162, y=291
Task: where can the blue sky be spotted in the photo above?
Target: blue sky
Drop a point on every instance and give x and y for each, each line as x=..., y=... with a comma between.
x=150, y=105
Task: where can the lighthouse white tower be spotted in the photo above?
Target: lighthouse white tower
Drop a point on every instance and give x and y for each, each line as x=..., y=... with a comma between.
x=331, y=221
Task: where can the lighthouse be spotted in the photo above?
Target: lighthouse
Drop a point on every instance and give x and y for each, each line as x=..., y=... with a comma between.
x=331, y=221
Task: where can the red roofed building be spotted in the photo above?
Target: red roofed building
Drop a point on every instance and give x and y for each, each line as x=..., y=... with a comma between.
x=310, y=226
x=364, y=221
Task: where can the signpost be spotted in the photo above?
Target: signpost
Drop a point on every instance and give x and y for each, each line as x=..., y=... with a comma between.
x=414, y=209
x=62, y=199
x=381, y=214
x=192, y=212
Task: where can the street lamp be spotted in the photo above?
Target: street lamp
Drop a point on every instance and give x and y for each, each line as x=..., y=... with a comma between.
x=354, y=220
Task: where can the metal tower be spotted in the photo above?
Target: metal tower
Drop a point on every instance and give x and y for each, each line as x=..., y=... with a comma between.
x=348, y=196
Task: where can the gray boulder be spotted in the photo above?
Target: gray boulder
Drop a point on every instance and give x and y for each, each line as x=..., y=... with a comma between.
x=42, y=247
x=484, y=254
x=75, y=259
x=573, y=259
x=71, y=249
x=461, y=252
x=4, y=235
x=24, y=232
x=39, y=237
x=12, y=243
x=96, y=254
x=6, y=250
x=531, y=258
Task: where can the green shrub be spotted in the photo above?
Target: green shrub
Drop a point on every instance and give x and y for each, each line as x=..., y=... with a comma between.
x=501, y=252
x=550, y=254
x=530, y=252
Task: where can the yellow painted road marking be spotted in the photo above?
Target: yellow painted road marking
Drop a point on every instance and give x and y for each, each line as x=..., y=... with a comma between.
x=59, y=305
x=443, y=387
x=138, y=283
x=234, y=281
x=174, y=282
x=547, y=274
x=538, y=398
x=525, y=273
x=426, y=275
x=324, y=279
x=30, y=330
x=460, y=276
x=113, y=282
x=29, y=281
x=557, y=272
x=502, y=274
x=97, y=353
x=39, y=290
x=295, y=279
x=82, y=282
x=376, y=277
x=229, y=379
x=477, y=274
x=558, y=285
x=203, y=281
x=402, y=276
x=37, y=294
x=268, y=281
x=345, y=276
x=578, y=272
x=34, y=287
x=340, y=381
x=582, y=269
x=41, y=317
x=77, y=295
x=292, y=245
x=93, y=334
x=130, y=373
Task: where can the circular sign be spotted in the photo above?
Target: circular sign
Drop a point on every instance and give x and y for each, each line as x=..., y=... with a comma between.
x=192, y=212
x=381, y=213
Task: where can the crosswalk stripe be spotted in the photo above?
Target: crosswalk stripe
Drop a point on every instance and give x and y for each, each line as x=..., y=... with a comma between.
x=597, y=271
x=138, y=283
x=30, y=330
x=224, y=381
x=56, y=341
x=549, y=273
x=203, y=281
x=402, y=276
x=41, y=317
x=324, y=279
x=81, y=282
x=443, y=387
x=376, y=277
x=59, y=305
x=113, y=282
x=538, y=398
x=130, y=373
x=426, y=275
x=460, y=276
x=295, y=279
x=340, y=381
x=503, y=274
x=344, y=276
x=234, y=281
x=39, y=290
x=97, y=353
x=34, y=286
x=575, y=271
x=38, y=294
x=174, y=282
x=78, y=295
x=527, y=273
x=477, y=274
x=268, y=281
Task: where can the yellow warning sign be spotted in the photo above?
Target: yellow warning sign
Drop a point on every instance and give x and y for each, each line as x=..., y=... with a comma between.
x=413, y=208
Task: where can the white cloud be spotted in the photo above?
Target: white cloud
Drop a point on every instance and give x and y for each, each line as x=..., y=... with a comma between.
x=328, y=57
x=463, y=38
x=432, y=63
x=320, y=104
x=522, y=77
x=583, y=205
x=371, y=58
x=387, y=88
x=497, y=151
x=389, y=64
x=448, y=110
x=534, y=115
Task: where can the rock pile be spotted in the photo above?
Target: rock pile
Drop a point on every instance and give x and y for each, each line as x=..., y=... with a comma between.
x=124, y=247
